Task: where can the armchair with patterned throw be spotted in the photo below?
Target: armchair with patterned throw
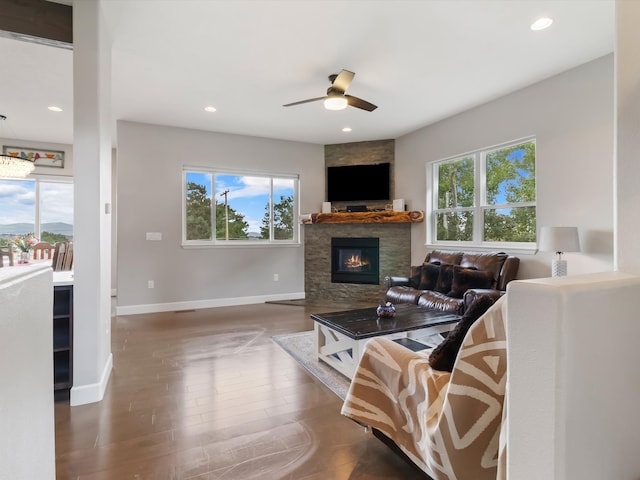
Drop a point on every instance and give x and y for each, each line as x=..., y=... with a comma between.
x=448, y=423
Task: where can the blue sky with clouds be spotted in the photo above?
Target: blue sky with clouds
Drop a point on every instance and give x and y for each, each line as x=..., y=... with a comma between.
x=247, y=195
x=18, y=200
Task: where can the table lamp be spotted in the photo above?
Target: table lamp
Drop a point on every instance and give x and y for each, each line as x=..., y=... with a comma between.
x=559, y=240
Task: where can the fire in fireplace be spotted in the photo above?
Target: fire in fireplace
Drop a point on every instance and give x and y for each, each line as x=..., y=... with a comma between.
x=355, y=260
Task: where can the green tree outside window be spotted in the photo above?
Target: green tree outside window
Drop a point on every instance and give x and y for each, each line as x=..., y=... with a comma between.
x=243, y=208
x=506, y=214
x=198, y=212
x=282, y=221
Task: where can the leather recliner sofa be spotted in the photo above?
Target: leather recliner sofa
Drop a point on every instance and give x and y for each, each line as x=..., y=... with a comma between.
x=450, y=281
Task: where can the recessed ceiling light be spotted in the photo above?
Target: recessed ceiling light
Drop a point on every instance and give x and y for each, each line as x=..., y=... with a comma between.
x=53, y=108
x=346, y=129
x=210, y=108
x=541, y=23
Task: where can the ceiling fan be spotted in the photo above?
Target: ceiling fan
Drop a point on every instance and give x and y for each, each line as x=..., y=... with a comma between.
x=336, y=99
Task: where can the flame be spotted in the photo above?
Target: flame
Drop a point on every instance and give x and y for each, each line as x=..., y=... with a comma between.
x=355, y=261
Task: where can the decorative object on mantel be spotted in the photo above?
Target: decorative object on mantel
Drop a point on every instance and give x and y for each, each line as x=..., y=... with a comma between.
x=398, y=205
x=413, y=216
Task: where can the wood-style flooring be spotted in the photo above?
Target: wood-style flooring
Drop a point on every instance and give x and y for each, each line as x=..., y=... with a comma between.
x=206, y=394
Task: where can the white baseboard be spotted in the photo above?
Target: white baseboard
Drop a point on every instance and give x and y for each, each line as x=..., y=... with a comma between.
x=197, y=304
x=94, y=392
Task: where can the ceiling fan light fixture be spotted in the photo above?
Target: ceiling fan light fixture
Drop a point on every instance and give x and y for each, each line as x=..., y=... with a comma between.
x=336, y=98
x=335, y=102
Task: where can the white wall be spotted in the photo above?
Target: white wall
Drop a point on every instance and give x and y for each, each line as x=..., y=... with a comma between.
x=27, y=443
x=92, y=192
x=149, y=177
x=627, y=193
x=571, y=116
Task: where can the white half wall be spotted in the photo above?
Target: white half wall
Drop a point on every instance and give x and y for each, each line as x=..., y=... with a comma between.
x=27, y=443
x=573, y=383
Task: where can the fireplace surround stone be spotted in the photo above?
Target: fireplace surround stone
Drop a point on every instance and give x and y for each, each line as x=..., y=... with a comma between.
x=394, y=256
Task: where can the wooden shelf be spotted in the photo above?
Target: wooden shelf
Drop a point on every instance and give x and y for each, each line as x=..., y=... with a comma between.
x=62, y=337
x=364, y=217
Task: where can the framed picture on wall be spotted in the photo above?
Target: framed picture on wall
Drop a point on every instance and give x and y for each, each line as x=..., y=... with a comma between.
x=43, y=158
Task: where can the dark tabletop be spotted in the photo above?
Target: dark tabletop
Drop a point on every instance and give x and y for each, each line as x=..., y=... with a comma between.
x=365, y=323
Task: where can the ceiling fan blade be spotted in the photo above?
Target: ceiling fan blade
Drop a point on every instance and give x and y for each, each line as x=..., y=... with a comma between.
x=359, y=103
x=304, y=101
x=342, y=81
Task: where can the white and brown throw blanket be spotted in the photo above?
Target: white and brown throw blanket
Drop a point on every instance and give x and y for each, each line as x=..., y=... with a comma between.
x=449, y=424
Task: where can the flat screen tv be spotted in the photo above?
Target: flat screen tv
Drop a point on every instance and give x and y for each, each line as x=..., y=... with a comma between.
x=359, y=183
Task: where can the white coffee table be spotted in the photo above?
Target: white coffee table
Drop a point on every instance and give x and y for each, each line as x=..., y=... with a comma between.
x=340, y=337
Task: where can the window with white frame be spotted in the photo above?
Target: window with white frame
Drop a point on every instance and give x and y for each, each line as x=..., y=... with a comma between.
x=223, y=207
x=40, y=207
x=484, y=198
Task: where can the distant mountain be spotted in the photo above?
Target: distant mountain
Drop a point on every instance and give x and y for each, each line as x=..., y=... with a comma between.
x=16, y=228
x=58, y=227
x=23, y=228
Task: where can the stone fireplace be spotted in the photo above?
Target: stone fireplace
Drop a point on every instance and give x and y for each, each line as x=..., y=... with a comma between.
x=394, y=256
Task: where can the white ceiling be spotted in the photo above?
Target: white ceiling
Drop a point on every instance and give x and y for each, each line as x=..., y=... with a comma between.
x=419, y=61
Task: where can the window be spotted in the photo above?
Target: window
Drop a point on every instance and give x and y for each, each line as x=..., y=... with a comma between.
x=485, y=198
x=40, y=207
x=245, y=208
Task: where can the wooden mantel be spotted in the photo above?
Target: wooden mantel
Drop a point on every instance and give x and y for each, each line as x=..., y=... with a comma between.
x=364, y=217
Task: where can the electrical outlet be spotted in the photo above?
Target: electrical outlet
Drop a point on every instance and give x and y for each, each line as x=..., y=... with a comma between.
x=150, y=284
x=275, y=277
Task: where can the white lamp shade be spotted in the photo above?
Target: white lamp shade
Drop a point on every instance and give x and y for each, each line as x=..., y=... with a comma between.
x=559, y=239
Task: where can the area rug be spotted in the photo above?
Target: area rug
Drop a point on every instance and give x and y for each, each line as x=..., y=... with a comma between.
x=297, y=302
x=301, y=347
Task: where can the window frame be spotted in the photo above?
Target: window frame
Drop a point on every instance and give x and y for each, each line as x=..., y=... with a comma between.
x=480, y=205
x=217, y=243
x=38, y=180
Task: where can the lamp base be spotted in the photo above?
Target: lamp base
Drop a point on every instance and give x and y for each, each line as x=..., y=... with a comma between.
x=559, y=268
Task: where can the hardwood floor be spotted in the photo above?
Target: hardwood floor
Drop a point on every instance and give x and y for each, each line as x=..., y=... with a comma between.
x=207, y=394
